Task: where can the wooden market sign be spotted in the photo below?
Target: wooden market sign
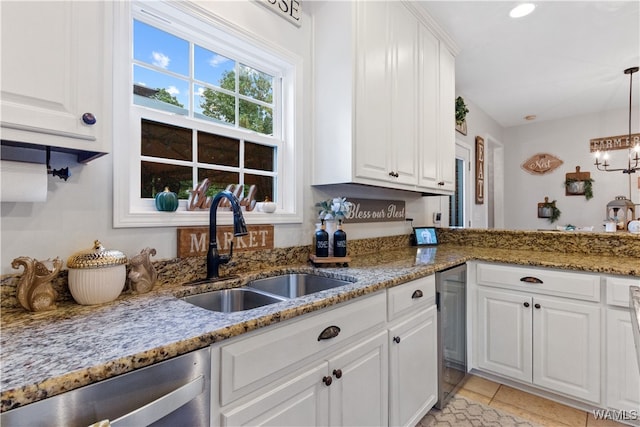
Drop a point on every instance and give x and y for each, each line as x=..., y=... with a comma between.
x=619, y=142
x=194, y=241
x=374, y=210
x=541, y=163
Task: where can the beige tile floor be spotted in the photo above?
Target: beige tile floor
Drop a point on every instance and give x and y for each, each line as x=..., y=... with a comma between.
x=527, y=406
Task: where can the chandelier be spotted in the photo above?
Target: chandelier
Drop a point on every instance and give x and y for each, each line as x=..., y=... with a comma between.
x=634, y=153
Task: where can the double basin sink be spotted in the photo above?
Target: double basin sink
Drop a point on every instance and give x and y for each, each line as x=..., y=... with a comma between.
x=261, y=292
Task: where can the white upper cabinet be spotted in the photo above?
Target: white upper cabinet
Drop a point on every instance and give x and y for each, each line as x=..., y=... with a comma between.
x=54, y=83
x=379, y=92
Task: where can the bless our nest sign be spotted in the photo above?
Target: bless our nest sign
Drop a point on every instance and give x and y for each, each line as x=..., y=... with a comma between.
x=291, y=10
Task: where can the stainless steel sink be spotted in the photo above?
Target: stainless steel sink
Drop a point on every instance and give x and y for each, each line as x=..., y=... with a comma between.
x=296, y=284
x=232, y=300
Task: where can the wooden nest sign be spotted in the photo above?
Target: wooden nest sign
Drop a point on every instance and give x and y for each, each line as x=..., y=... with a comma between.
x=541, y=163
x=194, y=241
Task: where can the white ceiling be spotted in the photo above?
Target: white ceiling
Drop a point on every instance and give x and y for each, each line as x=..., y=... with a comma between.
x=565, y=59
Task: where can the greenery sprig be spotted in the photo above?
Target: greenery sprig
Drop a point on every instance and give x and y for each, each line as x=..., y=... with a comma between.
x=336, y=208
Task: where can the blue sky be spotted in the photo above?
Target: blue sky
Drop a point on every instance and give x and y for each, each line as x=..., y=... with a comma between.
x=160, y=49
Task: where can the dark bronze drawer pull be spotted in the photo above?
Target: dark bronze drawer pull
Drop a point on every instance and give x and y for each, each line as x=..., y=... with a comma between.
x=417, y=294
x=327, y=381
x=531, y=279
x=328, y=333
x=396, y=340
x=337, y=373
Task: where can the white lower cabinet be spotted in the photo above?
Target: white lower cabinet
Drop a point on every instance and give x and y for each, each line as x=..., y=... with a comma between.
x=622, y=372
x=327, y=368
x=413, y=380
x=546, y=341
x=368, y=362
x=623, y=375
x=349, y=389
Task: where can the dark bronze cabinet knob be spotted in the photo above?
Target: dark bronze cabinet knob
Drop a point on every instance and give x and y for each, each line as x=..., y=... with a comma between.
x=337, y=373
x=536, y=305
x=327, y=381
x=526, y=304
x=396, y=340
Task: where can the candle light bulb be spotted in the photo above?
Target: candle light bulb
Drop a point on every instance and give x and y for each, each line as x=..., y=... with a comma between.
x=606, y=155
x=597, y=154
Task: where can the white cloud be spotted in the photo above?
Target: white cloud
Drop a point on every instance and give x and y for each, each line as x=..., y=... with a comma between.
x=200, y=91
x=160, y=59
x=173, y=90
x=218, y=60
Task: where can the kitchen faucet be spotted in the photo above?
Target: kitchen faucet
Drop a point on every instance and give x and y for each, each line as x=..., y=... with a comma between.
x=214, y=259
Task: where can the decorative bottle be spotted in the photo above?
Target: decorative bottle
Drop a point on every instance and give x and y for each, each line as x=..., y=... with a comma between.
x=339, y=241
x=322, y=241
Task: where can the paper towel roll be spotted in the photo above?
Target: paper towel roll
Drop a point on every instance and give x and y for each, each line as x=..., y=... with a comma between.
x=23, y=182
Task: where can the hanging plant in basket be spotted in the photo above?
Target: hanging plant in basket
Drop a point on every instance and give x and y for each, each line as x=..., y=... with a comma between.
x=548, y=210
x=580, y=186
x=461, y=114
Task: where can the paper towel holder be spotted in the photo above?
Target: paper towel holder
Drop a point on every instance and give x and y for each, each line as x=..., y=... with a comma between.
x=62, y=173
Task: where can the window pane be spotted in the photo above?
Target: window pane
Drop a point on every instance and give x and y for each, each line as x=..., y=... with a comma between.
x=214, y=69
x=160, y=91
x=165, y=141
x=154, y=177
x=218, y=150
x=160, y=49
x=256, y=84
x=218, y=179
x=213, y=105
x=256, y=117
x=259, y=157
x=264, y=186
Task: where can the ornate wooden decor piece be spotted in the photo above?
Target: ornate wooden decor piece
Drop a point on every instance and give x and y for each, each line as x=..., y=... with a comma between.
x=194, y=241
x=541, y=163
x=479, y=170
x=618, y=142
x=34, y=291
x=143, y=274
x=578, y=184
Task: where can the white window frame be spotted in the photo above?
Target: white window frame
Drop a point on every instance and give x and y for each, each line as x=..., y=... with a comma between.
x=129, y=210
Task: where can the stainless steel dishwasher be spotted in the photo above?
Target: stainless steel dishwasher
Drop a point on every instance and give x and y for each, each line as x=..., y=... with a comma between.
x=175, y=392
x=451, y=299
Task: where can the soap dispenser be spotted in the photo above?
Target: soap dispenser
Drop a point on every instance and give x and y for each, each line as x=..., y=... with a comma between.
x=340, y=241
x=322, y=241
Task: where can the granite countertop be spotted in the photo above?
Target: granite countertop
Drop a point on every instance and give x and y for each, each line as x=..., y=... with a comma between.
x=44, y=354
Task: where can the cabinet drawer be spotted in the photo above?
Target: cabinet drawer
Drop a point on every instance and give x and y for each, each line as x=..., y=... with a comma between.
x=618, y=290
x=411, y=296
x=538, y=280
x=261, y=359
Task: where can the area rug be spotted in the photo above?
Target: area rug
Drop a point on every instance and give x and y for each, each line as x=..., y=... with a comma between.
x=461, y=412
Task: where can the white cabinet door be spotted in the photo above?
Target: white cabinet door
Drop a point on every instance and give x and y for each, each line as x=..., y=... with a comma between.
x=404, y=81
x=429, y=90
x=623, y=375
x=53, y=66
x=504, y=333
x=566, y=347
x=372, y=81
x=358, y=392
x=413, y=377
x=301, y=401
x=447, y=137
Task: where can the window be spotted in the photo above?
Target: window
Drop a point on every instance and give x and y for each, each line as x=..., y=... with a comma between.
x=201, y=103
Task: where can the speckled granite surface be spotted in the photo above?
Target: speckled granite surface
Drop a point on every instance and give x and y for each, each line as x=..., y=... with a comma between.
x=48, y=353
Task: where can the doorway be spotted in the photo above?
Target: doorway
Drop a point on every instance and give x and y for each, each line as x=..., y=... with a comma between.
x=460, y=201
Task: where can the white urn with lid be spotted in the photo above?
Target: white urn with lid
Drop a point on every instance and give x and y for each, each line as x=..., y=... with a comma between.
x=96, y=275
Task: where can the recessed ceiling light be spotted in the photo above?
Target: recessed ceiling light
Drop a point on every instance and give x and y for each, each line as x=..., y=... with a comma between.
x=530, y=117
x=522, y=10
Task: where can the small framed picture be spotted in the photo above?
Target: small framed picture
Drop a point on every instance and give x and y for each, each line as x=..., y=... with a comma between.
x=425, y=236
